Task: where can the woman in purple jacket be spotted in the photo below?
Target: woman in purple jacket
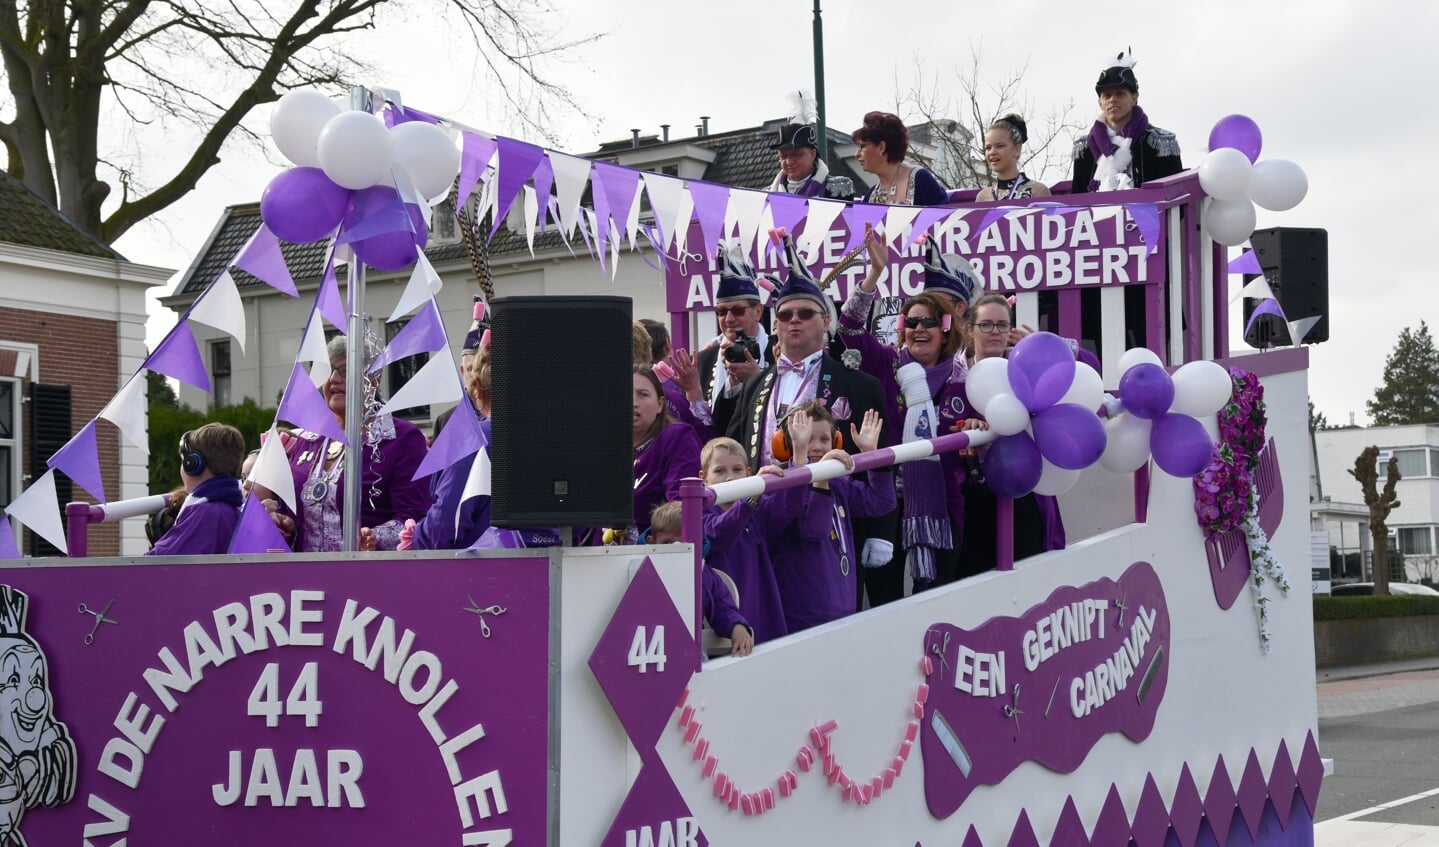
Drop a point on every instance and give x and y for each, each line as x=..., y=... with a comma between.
x=666, y=451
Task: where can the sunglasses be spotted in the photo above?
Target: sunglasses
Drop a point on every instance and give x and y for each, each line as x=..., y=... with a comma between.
x=928, y=322
x=787, y=315
x=737, y=311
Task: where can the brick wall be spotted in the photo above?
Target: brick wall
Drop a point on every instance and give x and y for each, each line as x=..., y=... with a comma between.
x=1363, y=641
x=79, y=352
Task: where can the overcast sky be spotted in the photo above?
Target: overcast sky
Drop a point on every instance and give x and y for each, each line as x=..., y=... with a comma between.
x=1344, y=89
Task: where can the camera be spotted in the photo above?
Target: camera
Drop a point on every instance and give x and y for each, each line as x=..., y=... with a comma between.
x=742, y=342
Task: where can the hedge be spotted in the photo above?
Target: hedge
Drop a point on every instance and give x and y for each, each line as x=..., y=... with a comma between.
x=1373, y=606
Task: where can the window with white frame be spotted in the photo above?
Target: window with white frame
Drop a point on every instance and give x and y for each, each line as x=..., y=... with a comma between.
x=220, y=372
x=1416, y=540
x=1412, y=463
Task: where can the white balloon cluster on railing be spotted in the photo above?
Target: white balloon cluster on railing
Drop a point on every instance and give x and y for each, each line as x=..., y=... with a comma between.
x=350, y=166
x=1237, y=181
x=1161, y=414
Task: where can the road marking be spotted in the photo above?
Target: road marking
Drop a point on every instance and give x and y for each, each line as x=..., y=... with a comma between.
x=1382, y=806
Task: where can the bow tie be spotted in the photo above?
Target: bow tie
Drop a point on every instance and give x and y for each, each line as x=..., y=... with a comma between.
x=786, y=366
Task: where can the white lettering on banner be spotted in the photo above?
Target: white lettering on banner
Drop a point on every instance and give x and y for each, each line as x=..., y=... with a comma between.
x=1070, y=624
x=979, y=674
x=645, y=652
x=341, y=785
x=113, y=822
x=1104, y=682
x=683, y=832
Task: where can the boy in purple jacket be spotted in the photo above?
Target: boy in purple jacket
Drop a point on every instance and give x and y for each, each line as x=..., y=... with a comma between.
x=210, y=460
x=718, y=604
x=815, y=560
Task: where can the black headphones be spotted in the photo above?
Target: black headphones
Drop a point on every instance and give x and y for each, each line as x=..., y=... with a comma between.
x=192, y=462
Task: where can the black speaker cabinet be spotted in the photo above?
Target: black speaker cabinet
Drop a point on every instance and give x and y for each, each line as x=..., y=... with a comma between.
x=562, y=393
x=1296, y=264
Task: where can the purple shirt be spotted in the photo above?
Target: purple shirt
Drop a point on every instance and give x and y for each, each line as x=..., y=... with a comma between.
x=660, y=465
x=206, y=521
x=437, y=531
x=680, y=410
x=719, y=607
x=740, y=538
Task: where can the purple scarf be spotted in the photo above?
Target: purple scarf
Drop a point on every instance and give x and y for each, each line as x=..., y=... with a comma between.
x=1098, y=140
x=926, y=526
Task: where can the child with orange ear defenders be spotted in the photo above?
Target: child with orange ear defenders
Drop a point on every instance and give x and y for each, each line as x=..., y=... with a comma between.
x=815, y=558
x=718, y=604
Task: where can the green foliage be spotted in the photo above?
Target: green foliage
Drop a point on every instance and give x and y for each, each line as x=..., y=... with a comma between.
x=169, y=420
x=1410, y=391
x=1373, y=606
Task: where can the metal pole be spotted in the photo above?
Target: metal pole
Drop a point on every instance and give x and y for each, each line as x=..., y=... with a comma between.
x=354, y=382
x=819, y=83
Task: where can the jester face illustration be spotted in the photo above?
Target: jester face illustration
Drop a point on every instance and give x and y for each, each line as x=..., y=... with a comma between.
x=24, y=698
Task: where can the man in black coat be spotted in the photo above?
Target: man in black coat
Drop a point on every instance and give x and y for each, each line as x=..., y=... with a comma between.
x=738, y=310
x=1122, y=149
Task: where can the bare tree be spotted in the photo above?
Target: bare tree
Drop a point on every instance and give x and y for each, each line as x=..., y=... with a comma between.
x=1366, y=471
x=83, y=74
x=1426, y=566
x=975, y=107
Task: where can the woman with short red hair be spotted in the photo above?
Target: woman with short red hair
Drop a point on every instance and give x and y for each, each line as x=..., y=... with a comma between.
x=883, y=141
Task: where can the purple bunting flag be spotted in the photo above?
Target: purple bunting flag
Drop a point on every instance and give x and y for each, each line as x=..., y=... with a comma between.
x=262, y=259
x=991, y=217
x=620, y=186
x=425, y=333
x=544, y=181
x=9, y=550
x=256, y=532
x=787, y=210
x=178, y=356
x=927, y=217
x=710, y=202
x=79, y=459
x=1265, y=307
x=1246, y=263
x=461, y=437
x=476, y=152
x=304, y=406
x=1146, y=217
x=328, y=300
x=390, y=217
x=857, y=216
x=517, y=163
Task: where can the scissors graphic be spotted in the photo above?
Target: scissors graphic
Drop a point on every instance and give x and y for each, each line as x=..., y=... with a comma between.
x=474, y=609
x=942, y=651
x=99, y=619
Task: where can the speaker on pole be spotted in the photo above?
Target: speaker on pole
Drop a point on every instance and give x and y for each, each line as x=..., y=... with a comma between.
x=1296, y=266
x=562, y=391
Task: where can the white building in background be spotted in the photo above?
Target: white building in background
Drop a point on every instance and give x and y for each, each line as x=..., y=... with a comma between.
x=1414, y=523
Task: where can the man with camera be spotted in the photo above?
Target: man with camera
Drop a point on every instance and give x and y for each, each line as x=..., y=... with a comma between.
x=739, y=351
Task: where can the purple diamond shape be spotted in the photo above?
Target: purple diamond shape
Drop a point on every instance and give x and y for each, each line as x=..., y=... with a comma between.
x=1281, y=784
x=1310, y=774
x=654, y=804
x=1023, y=834
x=1069, y=829
x=1188, y=809
x=1219, y=801
x=645, y=658
x=1151, y=819
x=1252, y=793
x=1113, y=824
x=971, y=838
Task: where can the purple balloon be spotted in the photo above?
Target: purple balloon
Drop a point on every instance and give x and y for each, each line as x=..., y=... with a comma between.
x=1146, y=391
x=396, y=232
x=301, y=205
x=1239, y=132
x=1041, y=369
x=1012, y=465
x=1180, y=445
x=1069, y=436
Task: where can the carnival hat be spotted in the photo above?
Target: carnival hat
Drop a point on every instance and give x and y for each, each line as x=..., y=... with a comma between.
x=737, y=275
x=949, y=273
x=801, y=283
x=796, y=135
x=1119, y=74
x=477, y=329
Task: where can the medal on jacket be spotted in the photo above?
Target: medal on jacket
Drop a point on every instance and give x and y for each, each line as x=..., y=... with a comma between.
x=843, y=546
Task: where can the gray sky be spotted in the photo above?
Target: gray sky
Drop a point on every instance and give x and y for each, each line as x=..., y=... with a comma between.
x=1344, y=89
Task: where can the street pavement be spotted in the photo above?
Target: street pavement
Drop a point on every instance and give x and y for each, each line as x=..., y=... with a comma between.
x=1380, y=726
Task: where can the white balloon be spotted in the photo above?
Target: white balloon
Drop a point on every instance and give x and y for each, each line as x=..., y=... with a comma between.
x=1087, y=390
x=1054, y=480
x=429, y=154
x=296, y=122
x=1278, y=185
x=1224, y=174
x=1230, y=222
x=1201, y=388
x=988, y=378
x=1006, y=415
x=1138, y=356
x=1126, y=447
x=356, y=150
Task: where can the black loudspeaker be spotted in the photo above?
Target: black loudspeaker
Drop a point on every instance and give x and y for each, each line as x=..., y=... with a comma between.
x=562, y=392
x=1296, y=265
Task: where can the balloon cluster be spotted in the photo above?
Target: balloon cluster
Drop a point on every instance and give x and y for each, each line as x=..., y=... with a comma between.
x=1041, y=403
x=1233, y=175
x=349, y=167
x=1161, y=414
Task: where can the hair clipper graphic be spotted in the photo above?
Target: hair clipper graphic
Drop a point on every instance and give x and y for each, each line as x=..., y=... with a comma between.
x=1149, y=674
x=950, y=741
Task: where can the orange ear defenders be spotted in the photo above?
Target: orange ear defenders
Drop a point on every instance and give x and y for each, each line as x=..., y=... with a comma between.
x=779, y=444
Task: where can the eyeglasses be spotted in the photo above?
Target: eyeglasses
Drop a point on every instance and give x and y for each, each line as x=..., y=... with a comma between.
x=791, y=155
x=993, y=326
x=787, y=315
x=737, y=311
x=338, y=370
x=928, y=322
